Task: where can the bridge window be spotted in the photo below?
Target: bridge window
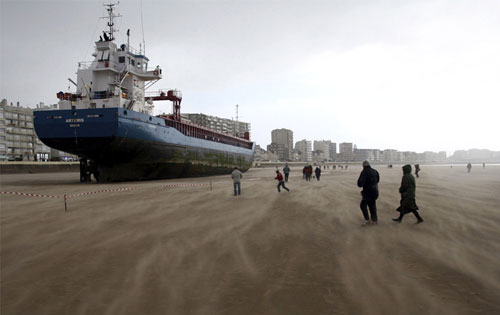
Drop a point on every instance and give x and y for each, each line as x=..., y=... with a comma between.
x=121, y=59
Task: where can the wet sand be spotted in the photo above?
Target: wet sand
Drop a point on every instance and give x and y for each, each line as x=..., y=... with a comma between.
x=192, y=250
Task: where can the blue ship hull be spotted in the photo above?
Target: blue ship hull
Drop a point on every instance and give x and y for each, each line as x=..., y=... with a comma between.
x=127, y=145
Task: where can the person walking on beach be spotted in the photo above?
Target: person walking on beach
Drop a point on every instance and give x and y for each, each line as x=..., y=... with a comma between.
x=317, y=171
x=417, y=169
x=281, y=182
x=407, y=191
x=369, y=179
x=236, y=176
x=469, y=166
x=286, y=171
x=309, y=171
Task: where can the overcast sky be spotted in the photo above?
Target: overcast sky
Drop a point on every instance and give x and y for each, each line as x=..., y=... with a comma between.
x=405, y=75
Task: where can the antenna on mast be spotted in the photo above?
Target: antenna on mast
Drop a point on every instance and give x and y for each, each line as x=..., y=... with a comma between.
x=142, y=26
x=110, y=17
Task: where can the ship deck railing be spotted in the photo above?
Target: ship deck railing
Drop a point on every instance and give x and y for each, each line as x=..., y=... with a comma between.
x=196, y=131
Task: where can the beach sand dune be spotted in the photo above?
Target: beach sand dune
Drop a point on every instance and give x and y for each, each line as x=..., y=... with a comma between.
x=192, y=250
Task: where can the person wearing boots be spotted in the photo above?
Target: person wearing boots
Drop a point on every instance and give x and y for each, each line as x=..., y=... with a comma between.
x=407, y=191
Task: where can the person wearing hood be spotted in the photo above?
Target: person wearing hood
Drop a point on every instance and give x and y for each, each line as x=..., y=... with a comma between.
x=368, y=179
x=407, y=191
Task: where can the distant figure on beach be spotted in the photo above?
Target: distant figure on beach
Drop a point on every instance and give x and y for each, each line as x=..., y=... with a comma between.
x=236, y=176
x=469, y=166
x=346, y=167
x=309, y=171
x=304, y=176
x=317, y=171
x=407, y=191
x=368, y=179
x=281, y=182
x=417, y=169
x=286, y=171
x=484, y=165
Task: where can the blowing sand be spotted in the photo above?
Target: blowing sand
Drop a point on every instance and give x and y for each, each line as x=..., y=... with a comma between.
x=192, y=250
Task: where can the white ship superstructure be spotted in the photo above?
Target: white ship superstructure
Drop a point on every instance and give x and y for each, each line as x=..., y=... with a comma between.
x=117, y=77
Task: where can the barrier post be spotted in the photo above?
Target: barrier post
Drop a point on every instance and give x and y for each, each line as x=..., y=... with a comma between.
x=65, y=205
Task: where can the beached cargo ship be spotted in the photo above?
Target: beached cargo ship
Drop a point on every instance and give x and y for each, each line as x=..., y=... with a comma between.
x=109, y=123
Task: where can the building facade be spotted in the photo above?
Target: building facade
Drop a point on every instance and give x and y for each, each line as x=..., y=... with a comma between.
x=279, y=150
x=18, y=140
x=17, y=135
x=283, y=138
x=346, y=152
x=322, y=150
x=229, y=126
x=303, y=149
x=333, y=151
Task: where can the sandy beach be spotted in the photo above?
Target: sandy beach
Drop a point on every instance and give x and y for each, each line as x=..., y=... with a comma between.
x=193, y=250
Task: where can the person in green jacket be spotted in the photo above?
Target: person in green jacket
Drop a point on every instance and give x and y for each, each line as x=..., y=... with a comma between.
x=407, y=191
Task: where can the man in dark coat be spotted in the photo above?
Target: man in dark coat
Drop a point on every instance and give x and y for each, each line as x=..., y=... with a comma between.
x=407, y=191
x=318, y=172
x=368, y=179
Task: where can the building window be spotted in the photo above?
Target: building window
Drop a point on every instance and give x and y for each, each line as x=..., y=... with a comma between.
x=121, y=59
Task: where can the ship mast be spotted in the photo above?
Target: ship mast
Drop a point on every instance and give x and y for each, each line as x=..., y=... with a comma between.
x=110, y=18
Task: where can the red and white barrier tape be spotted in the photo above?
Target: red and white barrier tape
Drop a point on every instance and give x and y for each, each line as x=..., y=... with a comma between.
x=28, y=194
x=100, y=191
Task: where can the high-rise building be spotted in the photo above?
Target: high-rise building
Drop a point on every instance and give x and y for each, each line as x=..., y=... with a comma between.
x=232, y=127
x=346, y=152
x=304, y=150
x=283, y=138
x=333, y=151
x=322, y=150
